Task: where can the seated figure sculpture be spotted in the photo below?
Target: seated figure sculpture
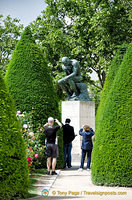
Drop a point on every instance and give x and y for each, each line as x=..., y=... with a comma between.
x=71, y=83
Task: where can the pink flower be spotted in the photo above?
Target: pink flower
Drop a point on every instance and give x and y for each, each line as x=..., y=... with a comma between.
x=29, y=159
x=36, y=155
x=31, y=134
x=29, y=149
x=33, y=137
x=18, y=112
x=32, y=108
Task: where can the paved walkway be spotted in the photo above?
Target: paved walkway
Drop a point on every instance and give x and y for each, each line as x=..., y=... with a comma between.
x=71, y=184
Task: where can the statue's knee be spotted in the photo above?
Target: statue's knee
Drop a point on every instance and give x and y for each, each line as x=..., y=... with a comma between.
x=70, y=81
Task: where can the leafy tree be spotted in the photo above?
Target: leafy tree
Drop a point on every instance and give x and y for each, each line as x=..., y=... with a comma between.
x=30, y=83
x=10, y=31
x=13, y=164
x=94, y=93
x=112, y=160
x=90, y=31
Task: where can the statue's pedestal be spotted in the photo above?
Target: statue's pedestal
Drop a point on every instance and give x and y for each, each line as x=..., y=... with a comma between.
x=80, y=113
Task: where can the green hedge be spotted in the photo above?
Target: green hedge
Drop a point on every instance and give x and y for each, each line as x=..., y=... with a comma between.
x=111, y=158
x=30, y=83
x=109, y=81
x=13, y=164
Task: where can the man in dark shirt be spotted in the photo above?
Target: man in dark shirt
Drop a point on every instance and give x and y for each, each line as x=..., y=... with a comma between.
x=51, y=144
x=68, y=137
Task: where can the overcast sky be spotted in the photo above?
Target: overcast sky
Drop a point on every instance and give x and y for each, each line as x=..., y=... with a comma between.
x=25, y=10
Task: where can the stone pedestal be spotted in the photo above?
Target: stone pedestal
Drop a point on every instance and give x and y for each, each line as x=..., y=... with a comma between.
x=80, y=113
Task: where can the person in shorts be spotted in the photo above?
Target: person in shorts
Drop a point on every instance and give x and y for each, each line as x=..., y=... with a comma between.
x=51, y=146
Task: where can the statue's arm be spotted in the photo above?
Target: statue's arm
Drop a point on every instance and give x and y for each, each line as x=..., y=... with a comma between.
x=74, y=73
x=63, y=68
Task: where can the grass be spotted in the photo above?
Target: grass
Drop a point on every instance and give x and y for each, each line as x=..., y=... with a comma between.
x=33, y=180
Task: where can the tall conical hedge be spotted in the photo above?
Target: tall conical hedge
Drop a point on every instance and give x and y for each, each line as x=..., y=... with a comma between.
x=30, y=83
x=109, y=81
x=13, y=164
x=111, y=158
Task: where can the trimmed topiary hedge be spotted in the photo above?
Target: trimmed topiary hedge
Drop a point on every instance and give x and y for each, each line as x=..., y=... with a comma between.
x=109, y=81
x=13, y=164
x=28, y=79
x=30, y=83
x=111, y=158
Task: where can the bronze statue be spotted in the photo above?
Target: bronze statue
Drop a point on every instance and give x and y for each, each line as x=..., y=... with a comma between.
x=71, y=83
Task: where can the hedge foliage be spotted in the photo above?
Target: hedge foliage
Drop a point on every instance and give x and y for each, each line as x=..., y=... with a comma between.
x=30, y=83
x=13, y=164
x=111, y=159
x=109, y=81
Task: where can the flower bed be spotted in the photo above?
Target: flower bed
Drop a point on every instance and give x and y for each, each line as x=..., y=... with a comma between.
x=34, y=139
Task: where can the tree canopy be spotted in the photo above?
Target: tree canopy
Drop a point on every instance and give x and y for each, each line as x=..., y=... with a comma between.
x=90, y=31
x=10, y=31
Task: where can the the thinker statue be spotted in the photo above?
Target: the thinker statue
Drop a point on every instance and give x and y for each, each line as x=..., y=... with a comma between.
x=71, y=83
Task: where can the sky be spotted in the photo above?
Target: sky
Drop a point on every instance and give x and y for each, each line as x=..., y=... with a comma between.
x=27, y=11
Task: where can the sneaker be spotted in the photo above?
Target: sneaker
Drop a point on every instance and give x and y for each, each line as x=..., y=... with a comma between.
x=53, y=173
x=69, y=166
x=88, y=169
x=48, y=172
x=80, y=169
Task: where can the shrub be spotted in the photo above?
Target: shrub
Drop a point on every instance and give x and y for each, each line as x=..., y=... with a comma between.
x=30, y=84
x=34, y=142
x=13, y=164
x=112, y=160
x=29, y=81
x=109, y=81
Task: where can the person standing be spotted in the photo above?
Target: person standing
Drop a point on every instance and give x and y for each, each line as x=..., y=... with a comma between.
x=86, y=132
x=68, y=137
x=51, y=146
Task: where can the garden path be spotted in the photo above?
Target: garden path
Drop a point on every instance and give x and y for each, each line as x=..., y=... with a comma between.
x=73, y=185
